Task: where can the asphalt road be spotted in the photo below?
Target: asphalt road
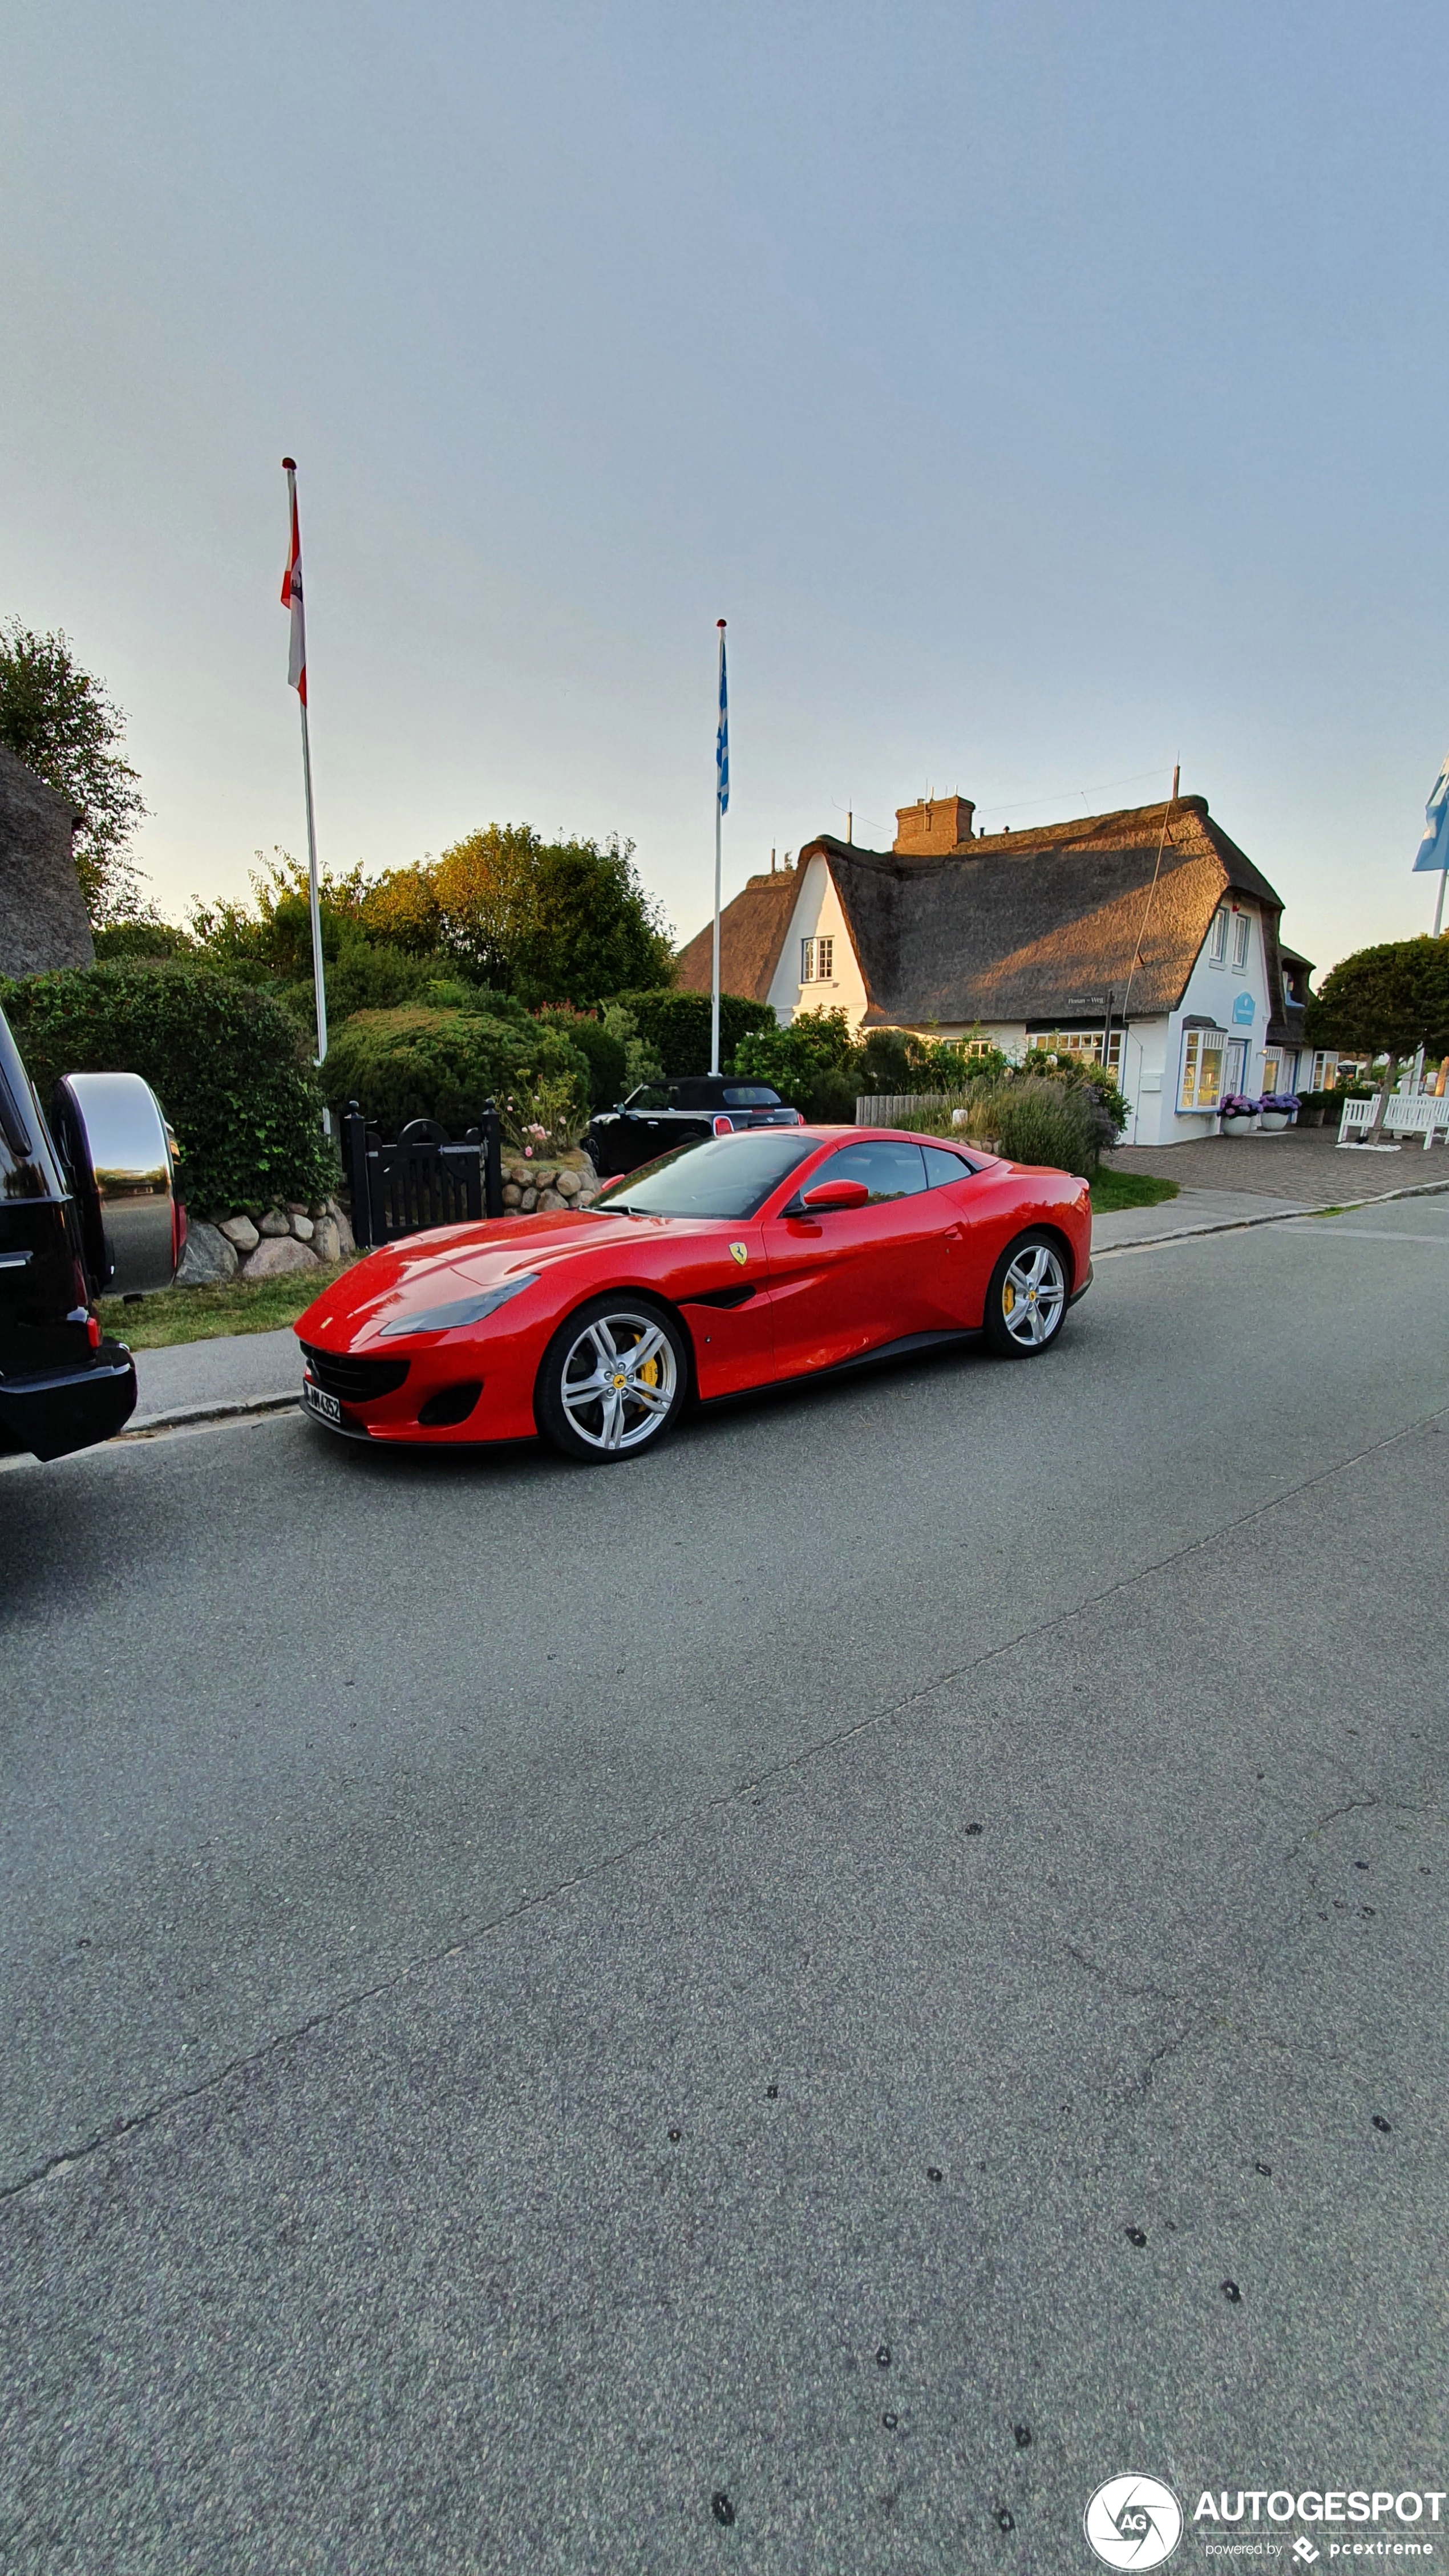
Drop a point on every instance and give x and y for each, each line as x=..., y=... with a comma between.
x=794, y=1971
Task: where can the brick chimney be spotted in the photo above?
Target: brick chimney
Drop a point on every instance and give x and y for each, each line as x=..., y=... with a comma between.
x=934, y=829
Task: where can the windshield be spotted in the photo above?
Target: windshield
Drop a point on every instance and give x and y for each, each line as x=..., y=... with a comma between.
x=724, y=1176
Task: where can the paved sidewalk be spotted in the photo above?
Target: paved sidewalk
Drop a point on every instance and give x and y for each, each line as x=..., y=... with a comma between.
x=1306, y=1164
x=1192, y=1212
x=235, y=1368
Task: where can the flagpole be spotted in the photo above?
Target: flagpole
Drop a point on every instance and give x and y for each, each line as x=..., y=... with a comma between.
x=1439, y=906
x=721, y=790
x=299, y=682
x=317, y=971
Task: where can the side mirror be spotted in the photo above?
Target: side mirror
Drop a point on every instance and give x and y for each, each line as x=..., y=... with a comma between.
x=834, y=1194
x=122, y=1158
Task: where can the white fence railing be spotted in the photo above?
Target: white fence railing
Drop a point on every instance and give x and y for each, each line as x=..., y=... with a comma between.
x=1422, y=1115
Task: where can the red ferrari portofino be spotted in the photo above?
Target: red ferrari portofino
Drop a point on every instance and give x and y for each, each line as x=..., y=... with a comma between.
x=731, y=1264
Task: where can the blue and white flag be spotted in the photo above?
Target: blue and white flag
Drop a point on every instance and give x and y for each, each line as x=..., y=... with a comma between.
x=722, y=738
x=1434, y=847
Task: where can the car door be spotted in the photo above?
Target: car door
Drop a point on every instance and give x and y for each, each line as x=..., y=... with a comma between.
x=968, y=1246
x=852, y=1279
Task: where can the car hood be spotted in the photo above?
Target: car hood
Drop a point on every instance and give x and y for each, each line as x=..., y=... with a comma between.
x=373, y=1301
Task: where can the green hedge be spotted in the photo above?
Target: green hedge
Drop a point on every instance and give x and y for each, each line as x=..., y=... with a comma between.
x=228, y=1065
x=443, y=1064
x=677, y=1025
x=601, y=1049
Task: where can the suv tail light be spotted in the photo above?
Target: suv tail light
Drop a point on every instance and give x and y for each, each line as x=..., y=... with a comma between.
x=724, y=1126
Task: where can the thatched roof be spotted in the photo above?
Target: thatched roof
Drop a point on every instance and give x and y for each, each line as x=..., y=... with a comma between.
x=1030, y=926
x=751, y=935
x=42, y=910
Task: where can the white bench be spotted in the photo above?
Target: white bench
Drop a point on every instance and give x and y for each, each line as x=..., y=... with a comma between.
x=1423, y=1115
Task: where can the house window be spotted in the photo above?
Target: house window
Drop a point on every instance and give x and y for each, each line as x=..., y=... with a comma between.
x=1273, y=1073
x=817, y=961
x=1218, y=938
x=1086, y=1042
x=1241, y=927
x=1201, y=1086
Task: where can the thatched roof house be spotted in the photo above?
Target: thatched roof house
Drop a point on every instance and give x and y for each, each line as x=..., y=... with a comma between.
x=43, y=920
x=1025, y=937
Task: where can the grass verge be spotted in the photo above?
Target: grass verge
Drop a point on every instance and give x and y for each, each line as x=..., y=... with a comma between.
x=1112, y=1190
x=201, y=1314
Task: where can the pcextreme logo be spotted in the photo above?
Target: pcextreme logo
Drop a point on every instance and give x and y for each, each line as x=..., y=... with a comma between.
x=1133, y=2522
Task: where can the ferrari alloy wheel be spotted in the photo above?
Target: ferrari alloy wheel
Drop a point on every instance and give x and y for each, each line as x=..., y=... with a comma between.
x=612, y=1380
x=1027, y=1298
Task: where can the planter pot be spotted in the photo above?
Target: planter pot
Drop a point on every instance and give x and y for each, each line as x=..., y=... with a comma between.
x=1274, y=1121
x=1310, y=1117
x=1235, y=1126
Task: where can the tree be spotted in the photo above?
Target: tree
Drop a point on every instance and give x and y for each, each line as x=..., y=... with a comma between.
x=60, y=721
x=1389, y=1000
x=550, y=921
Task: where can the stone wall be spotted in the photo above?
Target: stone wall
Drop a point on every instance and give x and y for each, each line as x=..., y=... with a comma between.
x=299, y=1238
x=530, y=1182
x=286, y=1238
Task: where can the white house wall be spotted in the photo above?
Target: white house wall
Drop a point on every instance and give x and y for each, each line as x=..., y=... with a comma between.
x=818, y=915
x=1229, y=997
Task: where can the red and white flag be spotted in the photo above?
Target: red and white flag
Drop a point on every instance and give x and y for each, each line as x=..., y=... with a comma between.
x=292, y=592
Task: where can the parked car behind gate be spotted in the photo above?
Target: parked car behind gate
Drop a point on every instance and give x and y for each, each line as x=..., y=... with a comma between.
x=660, y=1115
x=87, y=1202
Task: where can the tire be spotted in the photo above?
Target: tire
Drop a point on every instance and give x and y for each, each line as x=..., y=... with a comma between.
x=1026, y=1303
x=595, y=1399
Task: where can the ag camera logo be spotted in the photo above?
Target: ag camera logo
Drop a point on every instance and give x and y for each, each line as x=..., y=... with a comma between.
x=1133, y=2522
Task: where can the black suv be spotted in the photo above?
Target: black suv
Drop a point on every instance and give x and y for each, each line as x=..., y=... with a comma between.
x=87, y=1201
x=660, y=1115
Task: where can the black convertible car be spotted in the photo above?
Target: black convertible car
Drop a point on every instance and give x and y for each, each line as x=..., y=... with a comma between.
x=660, y=1115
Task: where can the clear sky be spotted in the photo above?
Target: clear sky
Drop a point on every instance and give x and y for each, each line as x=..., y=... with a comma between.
x=1045, y=391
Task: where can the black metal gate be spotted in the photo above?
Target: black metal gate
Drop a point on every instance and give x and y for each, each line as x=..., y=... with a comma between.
x=424, y=1179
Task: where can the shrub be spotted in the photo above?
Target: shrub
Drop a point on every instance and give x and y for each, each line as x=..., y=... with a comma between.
x=676, y=1026
x=1026, y=1119
x=1083, y=1071
x=142, y=938
x=420, y=1062
x=375, y=975
x=544, y=1115
x=228, y=1065
x=812, y=1064
x=603, y=1048
x=1042, y=1122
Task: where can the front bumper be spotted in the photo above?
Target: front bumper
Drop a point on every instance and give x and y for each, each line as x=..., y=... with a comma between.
x=58, y=1410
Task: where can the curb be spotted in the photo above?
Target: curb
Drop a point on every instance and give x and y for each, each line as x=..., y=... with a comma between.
x=1290, y=1215
x=183, y=1417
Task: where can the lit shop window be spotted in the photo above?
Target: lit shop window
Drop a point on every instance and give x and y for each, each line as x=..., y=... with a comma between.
x=817, y=960
x=1241, y=927
x=1201, y=1086
x=1086, y=1042
x=1217, y=946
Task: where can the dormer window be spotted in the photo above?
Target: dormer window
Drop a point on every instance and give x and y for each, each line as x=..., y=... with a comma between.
x=1241, y=927
x=1217, y=942
x=817, y=961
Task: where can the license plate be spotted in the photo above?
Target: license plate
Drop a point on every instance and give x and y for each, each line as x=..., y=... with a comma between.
x=325, y=1406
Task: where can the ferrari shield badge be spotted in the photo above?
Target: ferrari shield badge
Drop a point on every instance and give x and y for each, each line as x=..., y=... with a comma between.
x=740, y=1252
